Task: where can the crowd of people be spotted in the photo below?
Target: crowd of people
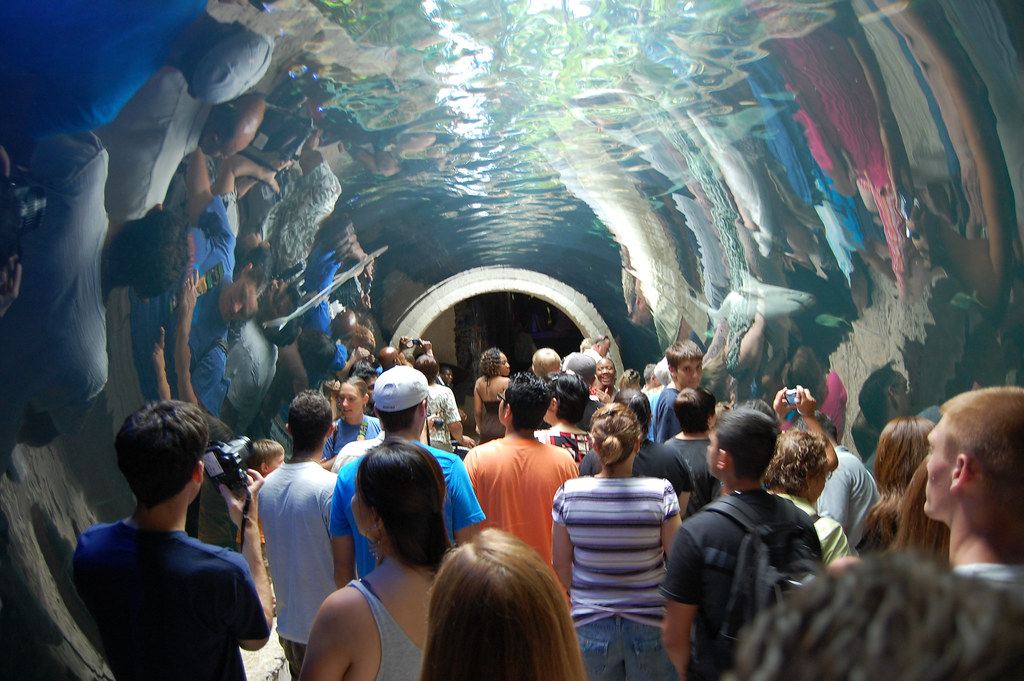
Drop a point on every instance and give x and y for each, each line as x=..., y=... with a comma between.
x=576, y=541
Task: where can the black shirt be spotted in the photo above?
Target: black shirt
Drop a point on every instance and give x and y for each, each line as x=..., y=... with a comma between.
x=652, y=461
x=700, y=571
x=694, y=455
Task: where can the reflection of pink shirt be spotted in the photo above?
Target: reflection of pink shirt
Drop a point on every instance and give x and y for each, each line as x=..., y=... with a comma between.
x=840, y=109
x=834, y=404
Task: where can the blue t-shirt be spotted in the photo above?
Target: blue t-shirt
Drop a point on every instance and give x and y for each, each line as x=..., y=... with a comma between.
x=97, y=54
x=321, y=266
x=210, y=245
x=345, y=432
x=461, y=508
x=665, y=424
x=167, y=606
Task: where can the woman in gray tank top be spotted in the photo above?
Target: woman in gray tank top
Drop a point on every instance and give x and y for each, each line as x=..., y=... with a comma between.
x=374, y=629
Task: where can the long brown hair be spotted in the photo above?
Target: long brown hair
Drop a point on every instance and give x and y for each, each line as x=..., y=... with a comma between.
x=902, y=446
x=918, y=532
x=496, y=589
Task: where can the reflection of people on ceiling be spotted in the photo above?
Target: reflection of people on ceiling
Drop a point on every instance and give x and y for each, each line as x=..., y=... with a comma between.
x=168, y=118
x=53, y=335
x=78, y=64
x=222, y=294
x=306, y=201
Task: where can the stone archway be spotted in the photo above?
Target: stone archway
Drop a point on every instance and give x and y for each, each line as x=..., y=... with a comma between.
x=480, y=280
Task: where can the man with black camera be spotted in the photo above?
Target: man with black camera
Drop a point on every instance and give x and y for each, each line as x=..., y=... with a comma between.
x=167, y=605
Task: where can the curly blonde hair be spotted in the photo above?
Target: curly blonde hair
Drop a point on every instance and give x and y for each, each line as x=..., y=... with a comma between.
x=799, y=458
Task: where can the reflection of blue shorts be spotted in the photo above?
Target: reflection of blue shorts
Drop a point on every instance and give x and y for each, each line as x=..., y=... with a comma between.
x=615, y=649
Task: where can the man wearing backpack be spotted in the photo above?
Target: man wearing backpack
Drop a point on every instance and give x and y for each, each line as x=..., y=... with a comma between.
x=737, y=555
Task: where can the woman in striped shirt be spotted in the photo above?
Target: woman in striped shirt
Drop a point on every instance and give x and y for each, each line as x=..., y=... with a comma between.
x=610, y=538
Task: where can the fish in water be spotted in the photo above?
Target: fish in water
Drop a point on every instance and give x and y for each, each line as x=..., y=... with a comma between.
x=964, y=301
x=832, y=321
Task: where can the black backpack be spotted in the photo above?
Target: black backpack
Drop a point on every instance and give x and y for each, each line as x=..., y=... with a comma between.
x=773, y=558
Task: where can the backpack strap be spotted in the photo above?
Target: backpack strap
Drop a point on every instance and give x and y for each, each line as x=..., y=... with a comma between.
x=736, y=510
x=739, y=512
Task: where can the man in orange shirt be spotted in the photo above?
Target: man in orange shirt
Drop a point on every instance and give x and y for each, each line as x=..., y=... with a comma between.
x=515, y=478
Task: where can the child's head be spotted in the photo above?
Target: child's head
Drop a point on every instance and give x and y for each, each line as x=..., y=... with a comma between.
x=685, y=364
x=267, y=456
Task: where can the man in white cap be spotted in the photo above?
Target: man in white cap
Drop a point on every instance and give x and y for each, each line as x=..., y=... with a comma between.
x=400, y=399
x=169, y=117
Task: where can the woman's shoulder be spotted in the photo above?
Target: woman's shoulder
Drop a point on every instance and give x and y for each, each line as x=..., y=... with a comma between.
x=346, y=610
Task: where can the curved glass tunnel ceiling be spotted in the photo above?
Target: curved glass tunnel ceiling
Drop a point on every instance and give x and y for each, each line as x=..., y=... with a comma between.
x=758, y=175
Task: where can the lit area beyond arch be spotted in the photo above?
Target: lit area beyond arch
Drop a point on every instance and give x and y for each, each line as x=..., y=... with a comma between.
x=480, y=280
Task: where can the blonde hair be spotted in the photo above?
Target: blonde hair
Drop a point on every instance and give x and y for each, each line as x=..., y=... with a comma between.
x=614, y=432
x=498, y=613
x=264, y=451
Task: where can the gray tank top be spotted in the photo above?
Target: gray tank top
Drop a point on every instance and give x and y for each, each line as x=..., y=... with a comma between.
x=400, y=658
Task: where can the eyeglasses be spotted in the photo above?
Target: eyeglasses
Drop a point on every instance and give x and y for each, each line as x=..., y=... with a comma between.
x=501, y=396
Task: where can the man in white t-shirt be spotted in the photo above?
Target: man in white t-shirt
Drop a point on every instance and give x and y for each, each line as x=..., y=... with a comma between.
x=295, y=509
x=975, y=477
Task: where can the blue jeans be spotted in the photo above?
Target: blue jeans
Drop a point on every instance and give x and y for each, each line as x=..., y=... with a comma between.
x=615, y=649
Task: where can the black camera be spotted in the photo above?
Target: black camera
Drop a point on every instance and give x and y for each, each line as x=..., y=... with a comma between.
x=225, y=463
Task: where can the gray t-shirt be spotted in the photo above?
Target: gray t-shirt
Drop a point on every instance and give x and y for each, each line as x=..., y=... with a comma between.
x=250, y=367
x=295, y=509
x=848, y=495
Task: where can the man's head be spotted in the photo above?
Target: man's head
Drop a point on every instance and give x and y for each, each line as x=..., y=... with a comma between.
x=526, y=401
x=571, y=395
x=148, y=254
x=279, y=299
x=232, y=126
x=685, y=364
x=602, y=344
x=427, y=365
x=316, y=350
x=387, y=357
x=545, y=360
x=448, y=375
x=748, y=438
x=662, y=374
x=400, y=400
x=694, y=408
x=309, y=422
x=239, y=299
x=976, y=465
x=583, y=366
x=365, y=371
x=158, y=449
x=650, y=380
x=884, y=396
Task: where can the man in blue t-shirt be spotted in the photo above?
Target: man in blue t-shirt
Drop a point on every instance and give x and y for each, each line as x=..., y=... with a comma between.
x=401, y=404
x=168, y=606
x=221, y=294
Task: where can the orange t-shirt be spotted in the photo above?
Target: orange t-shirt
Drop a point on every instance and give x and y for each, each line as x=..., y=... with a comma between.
x=515, y=482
